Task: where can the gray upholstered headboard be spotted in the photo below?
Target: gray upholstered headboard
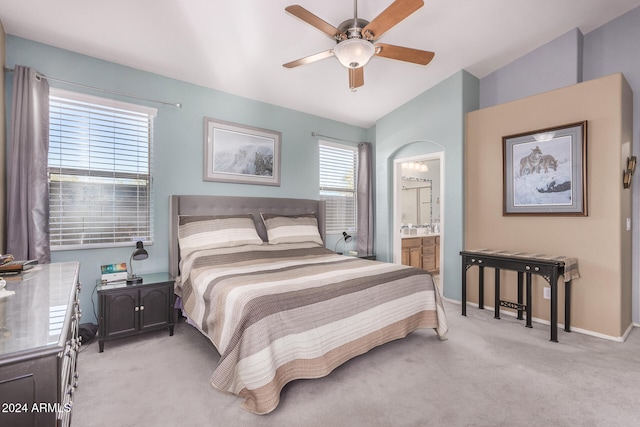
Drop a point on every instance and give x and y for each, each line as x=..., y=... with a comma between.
x=229, y=205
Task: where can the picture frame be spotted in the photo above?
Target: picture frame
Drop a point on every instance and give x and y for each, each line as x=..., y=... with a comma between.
x=241, y=154
x=545, y=171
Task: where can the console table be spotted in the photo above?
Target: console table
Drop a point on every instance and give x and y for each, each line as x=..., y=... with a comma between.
x=550, y=268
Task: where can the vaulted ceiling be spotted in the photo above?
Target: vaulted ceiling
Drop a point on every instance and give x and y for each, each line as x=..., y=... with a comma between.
x=239, y=46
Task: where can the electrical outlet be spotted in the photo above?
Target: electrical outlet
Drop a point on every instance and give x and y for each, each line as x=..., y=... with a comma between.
x=546, y=293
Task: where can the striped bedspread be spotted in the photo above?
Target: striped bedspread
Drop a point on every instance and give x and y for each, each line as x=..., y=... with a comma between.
x=277, y=313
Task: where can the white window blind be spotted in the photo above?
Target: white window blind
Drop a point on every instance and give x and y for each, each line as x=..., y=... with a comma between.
x=100, y=181
x=338, y=186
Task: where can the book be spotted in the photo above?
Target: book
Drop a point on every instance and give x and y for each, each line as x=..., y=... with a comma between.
x=17, y=266
x=113, y=272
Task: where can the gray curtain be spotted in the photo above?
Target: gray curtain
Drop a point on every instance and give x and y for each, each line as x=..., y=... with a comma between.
x=364, y=240
x=27, y=184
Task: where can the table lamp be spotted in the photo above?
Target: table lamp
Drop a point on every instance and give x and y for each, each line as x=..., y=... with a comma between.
x=138, y=254
x=346, y=238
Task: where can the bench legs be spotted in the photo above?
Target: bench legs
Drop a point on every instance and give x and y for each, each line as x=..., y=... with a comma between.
x=567, y=306
x=527, y=291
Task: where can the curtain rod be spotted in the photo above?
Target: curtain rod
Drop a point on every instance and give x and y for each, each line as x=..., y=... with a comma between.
x=174, y=104
x=333, y=137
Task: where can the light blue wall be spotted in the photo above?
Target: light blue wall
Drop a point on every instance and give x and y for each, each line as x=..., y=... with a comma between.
x=610, y=49
x=178, y=144
x=431, y=122
x=552, y=66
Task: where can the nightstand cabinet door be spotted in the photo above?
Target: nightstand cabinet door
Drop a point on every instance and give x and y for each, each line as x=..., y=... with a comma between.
x=121, y=313
x=134, y=309
x=155, y=307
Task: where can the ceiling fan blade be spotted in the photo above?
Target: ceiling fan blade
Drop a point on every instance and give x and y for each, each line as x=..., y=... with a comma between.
x=309, y=59
x=313, y=20
x=396, y=12
x=356, y=78
x=421, y=57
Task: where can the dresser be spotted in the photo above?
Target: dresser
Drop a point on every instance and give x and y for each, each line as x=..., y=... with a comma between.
x=39, y=345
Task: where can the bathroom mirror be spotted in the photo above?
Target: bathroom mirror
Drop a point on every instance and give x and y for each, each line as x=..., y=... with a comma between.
x=417, y=203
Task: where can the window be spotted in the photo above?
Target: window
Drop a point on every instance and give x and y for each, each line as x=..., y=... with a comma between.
x=338, y=186
x=99, y=171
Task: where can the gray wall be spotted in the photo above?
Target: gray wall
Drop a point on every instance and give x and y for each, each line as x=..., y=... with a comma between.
x=552, y=66
x=570, y=59
x=610, y=49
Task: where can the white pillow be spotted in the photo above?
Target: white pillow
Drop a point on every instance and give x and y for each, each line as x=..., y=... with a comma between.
x=291, y=229
x=208, y=232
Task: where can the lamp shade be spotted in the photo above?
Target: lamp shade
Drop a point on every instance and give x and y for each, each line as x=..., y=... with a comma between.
x=345, y=238
x=140, y=252
x=354, y=53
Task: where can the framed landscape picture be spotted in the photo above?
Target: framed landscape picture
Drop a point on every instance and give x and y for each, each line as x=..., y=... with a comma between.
x=545, y=171
x=241, y=154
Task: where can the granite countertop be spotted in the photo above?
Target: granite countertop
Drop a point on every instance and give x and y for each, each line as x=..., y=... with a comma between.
x=409, y=236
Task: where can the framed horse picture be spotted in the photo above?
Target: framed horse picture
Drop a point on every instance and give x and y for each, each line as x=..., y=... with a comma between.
x=545, y=171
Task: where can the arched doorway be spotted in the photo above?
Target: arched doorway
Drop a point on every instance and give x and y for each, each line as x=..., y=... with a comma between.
x=418, y=207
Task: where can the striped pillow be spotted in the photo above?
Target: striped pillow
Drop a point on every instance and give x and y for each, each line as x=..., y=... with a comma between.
x=291, y=229
x=208, y=232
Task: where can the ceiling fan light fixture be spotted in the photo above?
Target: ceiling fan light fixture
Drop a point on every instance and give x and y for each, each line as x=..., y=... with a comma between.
x=354, y=53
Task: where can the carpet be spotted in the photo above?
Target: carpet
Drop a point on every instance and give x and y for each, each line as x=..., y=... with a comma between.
x=488, y=373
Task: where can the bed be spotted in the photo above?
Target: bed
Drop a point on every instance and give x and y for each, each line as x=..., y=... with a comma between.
x=254, y=276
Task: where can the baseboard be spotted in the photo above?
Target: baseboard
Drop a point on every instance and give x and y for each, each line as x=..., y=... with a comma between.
x=628, y=331
x=623, y=338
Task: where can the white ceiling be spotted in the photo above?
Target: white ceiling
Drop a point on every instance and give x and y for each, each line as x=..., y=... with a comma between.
x=239, y=46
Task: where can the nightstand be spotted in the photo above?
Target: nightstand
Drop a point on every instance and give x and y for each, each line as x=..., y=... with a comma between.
x=125, y=310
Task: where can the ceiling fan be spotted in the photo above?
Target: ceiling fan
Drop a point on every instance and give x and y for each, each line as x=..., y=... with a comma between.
x=355, y=39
